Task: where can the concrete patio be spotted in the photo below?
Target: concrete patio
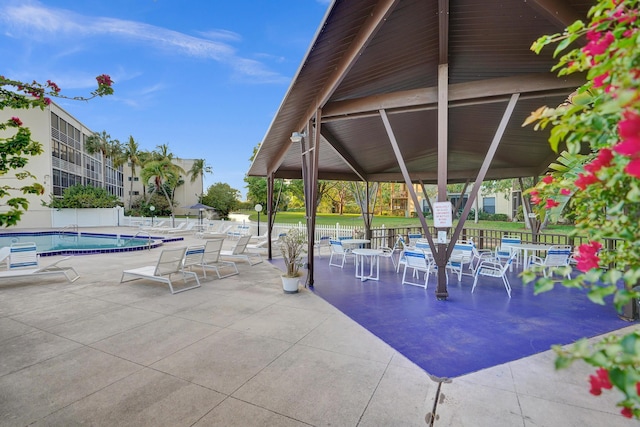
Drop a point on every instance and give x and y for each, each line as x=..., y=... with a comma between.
x=240, y=352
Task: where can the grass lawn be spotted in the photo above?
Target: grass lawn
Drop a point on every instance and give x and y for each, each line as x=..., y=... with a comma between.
x=396, y=222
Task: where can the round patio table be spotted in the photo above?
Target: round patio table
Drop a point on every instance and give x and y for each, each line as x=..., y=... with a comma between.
x=374, y=261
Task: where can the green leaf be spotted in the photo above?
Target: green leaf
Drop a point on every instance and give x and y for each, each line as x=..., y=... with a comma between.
x=598, y=293
x=544, y=284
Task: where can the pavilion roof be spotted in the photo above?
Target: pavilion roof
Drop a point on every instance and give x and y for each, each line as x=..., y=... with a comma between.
x=390, y=55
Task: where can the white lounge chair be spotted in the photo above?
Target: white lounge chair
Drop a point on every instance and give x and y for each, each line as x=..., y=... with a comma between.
x=171, y=262
x=185, y=229
x=172, y=229
x=220, y=234
x=211, y=259
x=23, y=261
x=239, y=251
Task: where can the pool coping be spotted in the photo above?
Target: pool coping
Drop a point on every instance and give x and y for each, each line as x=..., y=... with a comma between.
x=156, y=241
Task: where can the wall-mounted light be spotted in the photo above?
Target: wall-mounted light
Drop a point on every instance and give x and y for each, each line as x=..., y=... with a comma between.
x=296, y=137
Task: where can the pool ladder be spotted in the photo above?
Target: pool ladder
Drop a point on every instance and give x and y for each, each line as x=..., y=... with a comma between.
x=69, y=228
x=142, y=234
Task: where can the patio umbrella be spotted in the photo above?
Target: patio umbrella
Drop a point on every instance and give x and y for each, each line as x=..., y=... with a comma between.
x=200, y=207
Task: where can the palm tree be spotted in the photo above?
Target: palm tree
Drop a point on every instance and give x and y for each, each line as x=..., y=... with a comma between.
x=199, y=169
x=162, y=172
x=132, y=154
x=107, y=147
x=162, y=152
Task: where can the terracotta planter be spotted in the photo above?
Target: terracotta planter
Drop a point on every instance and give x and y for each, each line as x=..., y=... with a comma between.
x=290, y=284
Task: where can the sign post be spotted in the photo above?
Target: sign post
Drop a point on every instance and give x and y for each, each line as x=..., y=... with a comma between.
x=442, y=218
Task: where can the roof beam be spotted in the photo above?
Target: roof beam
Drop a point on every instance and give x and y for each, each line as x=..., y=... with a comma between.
x=478, y=90
x=379, y=14
x=560, y=12
x=339, y=149
x=428, y=177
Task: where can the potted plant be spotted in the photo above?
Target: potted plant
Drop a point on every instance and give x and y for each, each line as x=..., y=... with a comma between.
x=292, y=246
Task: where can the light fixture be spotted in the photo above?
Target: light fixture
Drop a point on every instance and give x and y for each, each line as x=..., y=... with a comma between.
x=297, y=137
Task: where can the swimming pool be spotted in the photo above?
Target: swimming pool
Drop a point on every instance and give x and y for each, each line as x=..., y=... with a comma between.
x=71, y=243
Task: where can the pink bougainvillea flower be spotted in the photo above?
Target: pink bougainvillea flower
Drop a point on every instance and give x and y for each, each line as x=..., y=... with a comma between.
x=16, y=121
x=551, y=204
x=53, y=86
x=596, y=390
x=604, y=159
x=605, y=156
x=587, y=256
x=547, y=179
x=565, y=192
x=599, y=381
x=629, y=127
x=633, y=168
x=585, y=180
x=626, y=412
x=603, y=375
x=104, y=80
x=598, y=81
x=628, y=147
x=598, y=45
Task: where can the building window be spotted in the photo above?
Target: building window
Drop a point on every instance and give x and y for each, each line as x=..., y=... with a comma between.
x=489, y=205
x=134, y=193
x=135, y=179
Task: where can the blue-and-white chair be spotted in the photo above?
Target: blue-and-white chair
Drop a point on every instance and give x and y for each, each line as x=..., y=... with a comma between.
x=413, y=238
x=340, y=253
x=557, y=256
x=23, y=261
x=505, y=249
x=495, y=268
x=418, y=262
x=461, y=257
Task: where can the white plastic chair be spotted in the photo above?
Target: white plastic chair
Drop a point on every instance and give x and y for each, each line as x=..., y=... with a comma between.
x=488, y=268
x=388, y=252
x=418, y=262
x=413, y=237
x=557, y=256
x=323, y=242
x=461, y=256
x=504, y=251
x=339, y=251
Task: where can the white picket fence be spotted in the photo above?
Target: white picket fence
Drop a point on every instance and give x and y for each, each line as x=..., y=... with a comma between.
x=249, y=227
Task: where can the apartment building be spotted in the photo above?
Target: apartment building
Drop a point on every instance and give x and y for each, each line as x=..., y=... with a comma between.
x=187, y=194
x=65, y=162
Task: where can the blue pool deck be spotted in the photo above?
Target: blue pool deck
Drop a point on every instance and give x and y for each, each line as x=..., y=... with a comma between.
x=467, y=332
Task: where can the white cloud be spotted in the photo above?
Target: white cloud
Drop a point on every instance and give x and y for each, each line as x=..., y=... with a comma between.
x=32, y=20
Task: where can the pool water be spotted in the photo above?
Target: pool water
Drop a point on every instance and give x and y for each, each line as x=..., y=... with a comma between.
x=56, y=243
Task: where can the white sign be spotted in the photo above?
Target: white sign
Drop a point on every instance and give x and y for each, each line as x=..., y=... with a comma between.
x=442, y=215
x=442, y=237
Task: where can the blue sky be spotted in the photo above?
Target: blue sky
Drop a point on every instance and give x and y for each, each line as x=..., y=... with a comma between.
x=204, y=77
